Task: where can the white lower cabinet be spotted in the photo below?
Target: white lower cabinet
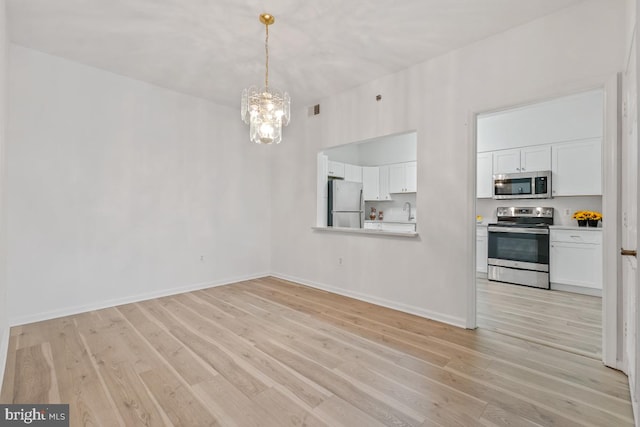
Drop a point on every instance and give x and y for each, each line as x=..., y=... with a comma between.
x=394, y=227
x=397, y=227
x=576, y=258
x=482, y=249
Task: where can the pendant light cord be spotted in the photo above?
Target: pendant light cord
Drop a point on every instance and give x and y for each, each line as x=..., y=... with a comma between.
x=266, y=49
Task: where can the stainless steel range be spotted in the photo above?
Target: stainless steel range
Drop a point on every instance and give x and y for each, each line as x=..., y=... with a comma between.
x=519, y=246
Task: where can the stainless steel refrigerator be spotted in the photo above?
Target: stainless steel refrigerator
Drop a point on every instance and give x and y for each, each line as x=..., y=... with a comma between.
x=346, y=205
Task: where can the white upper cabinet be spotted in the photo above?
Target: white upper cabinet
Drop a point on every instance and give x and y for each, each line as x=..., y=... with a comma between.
x=384, y=183
x=371, y=183
x=411, y=177
x=506, y=161
x=484, y=179
x=536, y=158
x=375, y=182
x=352, y=173
x=403, y=178
x=574, y=117
x=577, y=168
x=527, y=159
x=563, y=135
x=345, y=170
x=336, y=169
x=396, y=178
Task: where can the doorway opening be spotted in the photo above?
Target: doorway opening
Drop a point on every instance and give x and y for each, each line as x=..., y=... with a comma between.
x=577, y=310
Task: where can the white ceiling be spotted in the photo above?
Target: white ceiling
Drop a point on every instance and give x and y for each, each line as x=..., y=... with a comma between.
x=215, y=48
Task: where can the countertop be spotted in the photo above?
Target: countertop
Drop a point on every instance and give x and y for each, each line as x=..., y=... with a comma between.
x=364, y=231
x=561, y=227
x=390, y=221
x=574, y=227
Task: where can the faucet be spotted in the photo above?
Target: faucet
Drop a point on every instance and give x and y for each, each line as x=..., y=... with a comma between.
x=407, y=206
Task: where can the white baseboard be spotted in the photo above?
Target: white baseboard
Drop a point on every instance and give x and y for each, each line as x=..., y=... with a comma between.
x=67, y=311
x=4, y=351
x=428, y=314
x=576, y=289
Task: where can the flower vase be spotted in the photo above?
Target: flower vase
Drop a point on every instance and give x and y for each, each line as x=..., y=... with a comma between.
x=582, y=223
x=592, y=222
x=372, y=214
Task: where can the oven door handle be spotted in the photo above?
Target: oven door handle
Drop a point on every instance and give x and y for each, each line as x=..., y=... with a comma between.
x=498, y=229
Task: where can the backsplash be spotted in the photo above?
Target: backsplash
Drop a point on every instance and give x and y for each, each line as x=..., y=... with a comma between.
x=393, y=209
x=564, y=207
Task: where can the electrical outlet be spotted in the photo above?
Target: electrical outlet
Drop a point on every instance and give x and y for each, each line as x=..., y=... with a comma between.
x=340, y=261
x=567, y=212
x=202, y=258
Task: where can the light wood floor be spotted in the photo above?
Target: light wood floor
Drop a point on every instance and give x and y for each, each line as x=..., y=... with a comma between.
x=271, y=353
x=563, y=320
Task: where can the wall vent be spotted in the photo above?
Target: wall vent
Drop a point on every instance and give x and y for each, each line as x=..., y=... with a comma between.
x=315, y=110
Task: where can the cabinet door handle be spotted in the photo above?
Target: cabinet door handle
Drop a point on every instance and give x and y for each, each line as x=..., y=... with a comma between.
x=628, y=252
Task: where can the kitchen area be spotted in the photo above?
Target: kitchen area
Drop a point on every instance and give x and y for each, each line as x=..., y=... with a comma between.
x=538, y=223
x=369, y=187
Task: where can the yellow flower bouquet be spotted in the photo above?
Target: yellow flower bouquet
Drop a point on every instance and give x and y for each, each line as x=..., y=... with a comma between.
x=589, y=218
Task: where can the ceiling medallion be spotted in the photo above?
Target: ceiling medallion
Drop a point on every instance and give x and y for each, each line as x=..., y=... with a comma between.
x=265, y=110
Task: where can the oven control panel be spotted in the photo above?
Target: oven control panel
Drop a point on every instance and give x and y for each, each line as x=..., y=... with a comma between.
x=525, y=212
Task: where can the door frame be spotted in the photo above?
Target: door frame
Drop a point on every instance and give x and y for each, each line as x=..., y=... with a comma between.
x=611, y=292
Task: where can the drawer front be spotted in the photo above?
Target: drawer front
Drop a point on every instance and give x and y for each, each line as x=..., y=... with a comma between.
x=401, y=228
x=372, y=226
x=576, y=236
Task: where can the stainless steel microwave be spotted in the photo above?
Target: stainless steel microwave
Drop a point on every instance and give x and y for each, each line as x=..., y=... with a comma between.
x=525, y=185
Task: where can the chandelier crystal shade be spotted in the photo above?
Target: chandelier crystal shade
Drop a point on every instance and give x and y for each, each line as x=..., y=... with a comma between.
x=265, y=109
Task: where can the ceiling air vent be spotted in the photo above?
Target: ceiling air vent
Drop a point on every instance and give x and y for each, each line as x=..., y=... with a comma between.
x=315, y=110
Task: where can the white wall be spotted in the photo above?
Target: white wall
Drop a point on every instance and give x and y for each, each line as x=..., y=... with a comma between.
x=389, y=149
x=4, y=321
x=117, y=188
x=378, y=151
x=559, y=54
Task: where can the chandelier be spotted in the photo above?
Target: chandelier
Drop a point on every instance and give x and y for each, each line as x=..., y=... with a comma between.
x=265, y=110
